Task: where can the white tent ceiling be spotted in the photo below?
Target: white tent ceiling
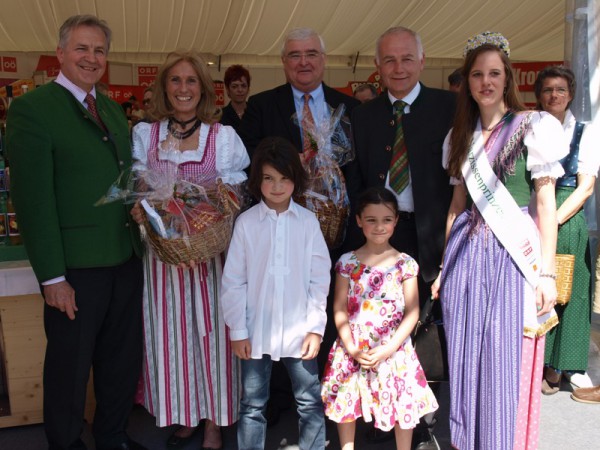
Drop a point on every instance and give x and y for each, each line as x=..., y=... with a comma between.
x=251, y=31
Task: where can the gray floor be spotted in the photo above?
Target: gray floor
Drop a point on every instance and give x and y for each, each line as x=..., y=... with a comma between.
x=565, y=424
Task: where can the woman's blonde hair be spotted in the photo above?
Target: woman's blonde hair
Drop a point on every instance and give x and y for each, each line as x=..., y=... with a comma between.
x=207, y=110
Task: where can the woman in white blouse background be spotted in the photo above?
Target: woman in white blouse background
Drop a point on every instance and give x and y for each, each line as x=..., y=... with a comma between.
x=567, y=344
x=189, y=371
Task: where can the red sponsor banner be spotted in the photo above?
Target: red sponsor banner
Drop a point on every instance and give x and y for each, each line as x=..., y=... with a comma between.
x=349, y=88
x=9, y=63
x=50, y=65
x=121, y=93
x=374, y=79
x=352, y=85
x=220, y=92
x=526, y=73
x=146, y=75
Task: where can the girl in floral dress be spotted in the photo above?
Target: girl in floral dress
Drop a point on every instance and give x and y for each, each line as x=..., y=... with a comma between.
x=373, y=371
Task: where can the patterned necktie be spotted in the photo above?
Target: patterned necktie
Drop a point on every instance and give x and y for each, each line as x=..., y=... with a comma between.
x=399, y=165
x=91, y=102
x=308, y=126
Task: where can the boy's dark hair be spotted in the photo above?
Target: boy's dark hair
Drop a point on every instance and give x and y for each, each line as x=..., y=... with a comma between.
x=376, y=196
x=280, y=154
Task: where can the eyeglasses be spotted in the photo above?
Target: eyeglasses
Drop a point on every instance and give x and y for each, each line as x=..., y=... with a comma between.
x=560, y=91
x=309, y=56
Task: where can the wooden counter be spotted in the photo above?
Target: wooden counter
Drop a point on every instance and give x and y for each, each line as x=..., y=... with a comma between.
x=24, y=344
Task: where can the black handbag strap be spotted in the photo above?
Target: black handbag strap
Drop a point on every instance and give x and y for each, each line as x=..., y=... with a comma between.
x=425, y=314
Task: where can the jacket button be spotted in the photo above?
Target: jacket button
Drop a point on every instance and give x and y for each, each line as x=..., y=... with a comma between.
x=382, y=176
x=127, y=224
x=121, y=163
x=392, y=123
x=105, y=138
x=388, y=148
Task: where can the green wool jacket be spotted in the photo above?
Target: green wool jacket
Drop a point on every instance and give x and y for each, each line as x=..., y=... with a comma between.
x=61, y=163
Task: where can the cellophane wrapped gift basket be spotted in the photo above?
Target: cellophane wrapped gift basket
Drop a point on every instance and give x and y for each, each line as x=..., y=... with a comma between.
x=184, y=221
x=326, y=195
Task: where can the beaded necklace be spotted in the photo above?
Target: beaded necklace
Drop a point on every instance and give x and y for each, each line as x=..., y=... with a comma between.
x=183, y=134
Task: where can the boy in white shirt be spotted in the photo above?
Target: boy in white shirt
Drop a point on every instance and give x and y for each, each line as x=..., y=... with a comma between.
x=275, y=285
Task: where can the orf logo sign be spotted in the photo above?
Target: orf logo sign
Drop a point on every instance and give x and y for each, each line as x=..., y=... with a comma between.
x=147, y=75
x=9, y=64
x=220, y=92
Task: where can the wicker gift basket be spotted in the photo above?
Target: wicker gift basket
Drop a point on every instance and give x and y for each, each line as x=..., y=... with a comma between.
x=183, y=220
x=565, y=266
x=207, y=230
x=331, y=210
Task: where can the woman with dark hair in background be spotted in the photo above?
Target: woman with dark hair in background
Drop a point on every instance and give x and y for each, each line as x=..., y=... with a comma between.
x=237, y=85
x=498, y=282
x=567, y=345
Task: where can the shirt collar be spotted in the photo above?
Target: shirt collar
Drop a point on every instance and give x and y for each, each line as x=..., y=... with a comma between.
x=569, y=120
x=77, y=92
x=408, y=99
x=264, y=211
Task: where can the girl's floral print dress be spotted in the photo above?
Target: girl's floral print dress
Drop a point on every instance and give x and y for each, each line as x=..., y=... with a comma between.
x=396, y=390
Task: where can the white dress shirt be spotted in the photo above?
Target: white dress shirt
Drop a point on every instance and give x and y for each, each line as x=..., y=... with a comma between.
x=589, y=155
x=318, y=107
x=276, y=280
x=405, y=198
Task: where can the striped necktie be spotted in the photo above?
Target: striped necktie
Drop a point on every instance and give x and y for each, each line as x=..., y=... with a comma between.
x=399, y=165
x=308, y=127
x=91, y=103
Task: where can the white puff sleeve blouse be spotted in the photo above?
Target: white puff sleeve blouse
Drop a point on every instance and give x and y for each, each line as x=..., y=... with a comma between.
x=231, y=158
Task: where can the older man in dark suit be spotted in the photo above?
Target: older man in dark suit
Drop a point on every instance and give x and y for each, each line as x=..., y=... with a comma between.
x=398, y=140
x=67, y=144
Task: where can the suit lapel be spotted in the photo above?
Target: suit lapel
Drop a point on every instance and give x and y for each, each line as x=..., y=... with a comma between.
x=332, y=97
x=287, y=108
x=410, y=120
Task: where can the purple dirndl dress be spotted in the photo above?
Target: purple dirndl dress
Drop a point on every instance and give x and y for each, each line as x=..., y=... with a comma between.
x=483, y=293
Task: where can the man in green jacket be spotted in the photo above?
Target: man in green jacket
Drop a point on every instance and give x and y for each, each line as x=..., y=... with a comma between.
x=67, y=144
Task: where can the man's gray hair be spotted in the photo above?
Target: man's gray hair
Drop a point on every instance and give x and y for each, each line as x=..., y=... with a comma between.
x=399, y=30
x=86, y=20
x=301, y=34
